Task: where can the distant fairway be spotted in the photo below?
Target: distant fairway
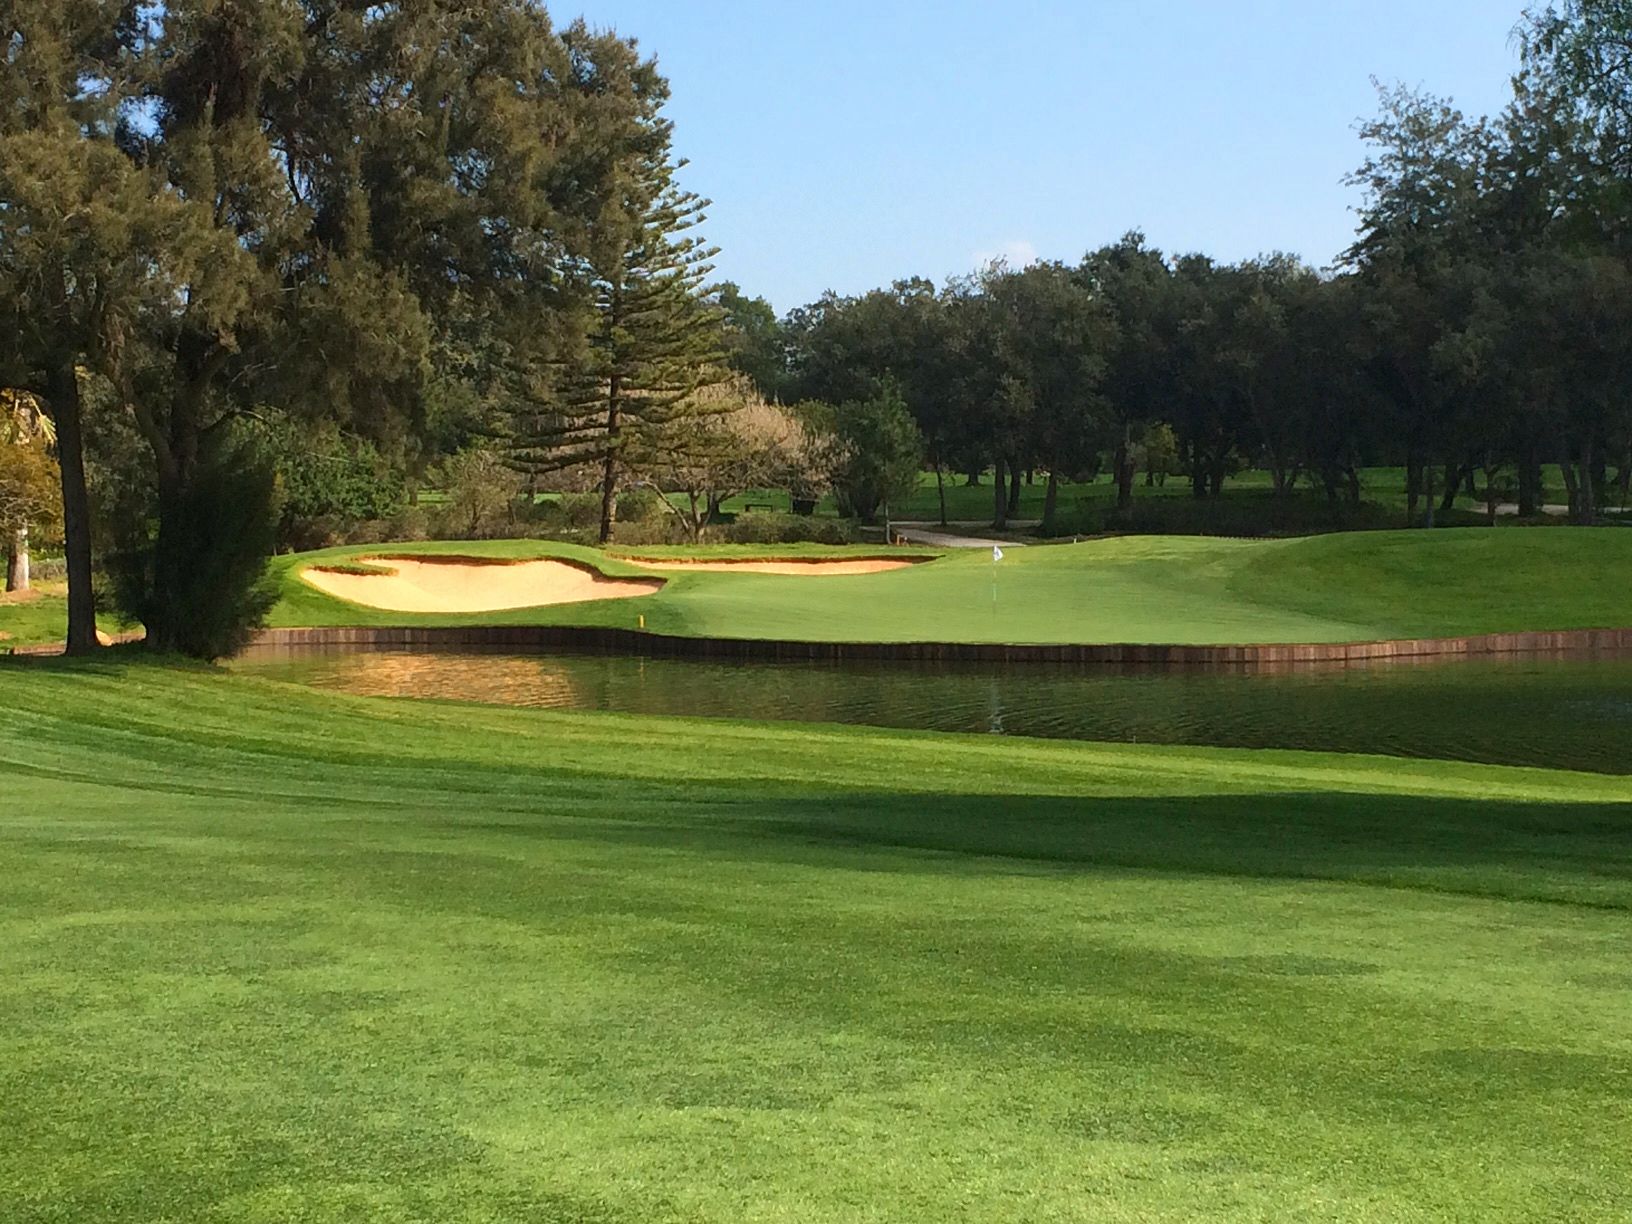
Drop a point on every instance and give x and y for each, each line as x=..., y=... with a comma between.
x=1360, y=586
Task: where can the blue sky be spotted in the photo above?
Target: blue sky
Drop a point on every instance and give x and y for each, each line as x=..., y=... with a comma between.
x=847, y=143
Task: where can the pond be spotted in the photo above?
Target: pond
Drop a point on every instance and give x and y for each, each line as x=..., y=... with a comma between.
x=1569, y=713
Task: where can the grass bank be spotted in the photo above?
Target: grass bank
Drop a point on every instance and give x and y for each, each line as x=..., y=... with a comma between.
x=1362, y=586
x=270, y=954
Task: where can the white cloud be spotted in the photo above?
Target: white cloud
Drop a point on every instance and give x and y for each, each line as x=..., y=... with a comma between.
x=1017, y=253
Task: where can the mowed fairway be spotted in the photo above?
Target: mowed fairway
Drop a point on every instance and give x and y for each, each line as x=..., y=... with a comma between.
x=1360, y=586
x=272, y=955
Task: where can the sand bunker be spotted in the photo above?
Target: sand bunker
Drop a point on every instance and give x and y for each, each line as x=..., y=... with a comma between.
x=465, y=584
x=803, y=569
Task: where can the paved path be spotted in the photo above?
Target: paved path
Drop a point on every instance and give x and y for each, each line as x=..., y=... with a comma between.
x=942, y=539
x=1509, y=509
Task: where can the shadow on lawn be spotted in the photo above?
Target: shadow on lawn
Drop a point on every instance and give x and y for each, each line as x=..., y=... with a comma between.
x=1579, y=853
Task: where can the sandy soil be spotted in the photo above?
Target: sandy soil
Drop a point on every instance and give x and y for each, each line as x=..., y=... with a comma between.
x=450, y=584
x=802, y=569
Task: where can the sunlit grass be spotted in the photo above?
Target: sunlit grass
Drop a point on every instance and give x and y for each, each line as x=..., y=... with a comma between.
x=267, y=954
x=1359, y=586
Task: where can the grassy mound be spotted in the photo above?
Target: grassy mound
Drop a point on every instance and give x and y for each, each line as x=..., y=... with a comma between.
x=1363, y=586
x=268, y=954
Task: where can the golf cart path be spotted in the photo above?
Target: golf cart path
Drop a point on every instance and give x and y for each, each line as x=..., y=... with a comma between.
x=942, y=539
x=1511, y=510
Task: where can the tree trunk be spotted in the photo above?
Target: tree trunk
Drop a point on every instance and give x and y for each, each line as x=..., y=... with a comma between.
x=609, y=467
x=1051, y=502
x=165, y=614
x=1428, y=474
x=1198, y=476
x=1328, y=481
x=62, y=392
x=1588, y=483
x=1014, y=487
x=176, y=468
x=1453, y=486
x=609, y=498
x=940, y=489
x=17, y=578
x=1352, y=475
x=1624, y=483
x=1529, y=482
x=1000, y=497
x=1124, y=471
x=1413, y=489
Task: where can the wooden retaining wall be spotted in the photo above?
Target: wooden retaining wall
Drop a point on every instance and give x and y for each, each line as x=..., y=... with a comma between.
x=633, y=642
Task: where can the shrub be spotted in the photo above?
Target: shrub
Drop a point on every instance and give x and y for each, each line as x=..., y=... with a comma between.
x=580, y=510
x=329, y=483
x=666, y=530
x=481, y=492
x=768, y=528
x=200, y=584
x=49, y=569
x=407, y=524
x=642, y=505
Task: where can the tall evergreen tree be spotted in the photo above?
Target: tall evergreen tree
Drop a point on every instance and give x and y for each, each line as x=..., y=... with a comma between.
x=627, y=400
x=83, y=230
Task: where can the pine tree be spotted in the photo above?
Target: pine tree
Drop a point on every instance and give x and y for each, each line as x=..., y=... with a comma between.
x=77, y=223
x=626, y=401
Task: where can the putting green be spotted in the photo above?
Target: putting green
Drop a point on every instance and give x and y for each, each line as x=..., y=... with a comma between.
x=1354, y=587
x=269, y=954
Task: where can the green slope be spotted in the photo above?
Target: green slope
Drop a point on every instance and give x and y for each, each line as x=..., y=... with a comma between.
x=1360, y=586
x=267, y=954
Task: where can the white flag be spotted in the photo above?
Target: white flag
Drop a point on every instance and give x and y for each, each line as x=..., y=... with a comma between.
x=997, y=553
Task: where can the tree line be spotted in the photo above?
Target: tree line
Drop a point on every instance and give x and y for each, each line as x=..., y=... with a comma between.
x=1479, y=328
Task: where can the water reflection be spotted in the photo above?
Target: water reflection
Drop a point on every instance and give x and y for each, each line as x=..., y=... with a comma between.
x=1563, y=712
x=520, y=680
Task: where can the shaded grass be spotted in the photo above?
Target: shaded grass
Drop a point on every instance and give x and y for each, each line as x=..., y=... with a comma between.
x=267, y=954
x=1362, y=586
